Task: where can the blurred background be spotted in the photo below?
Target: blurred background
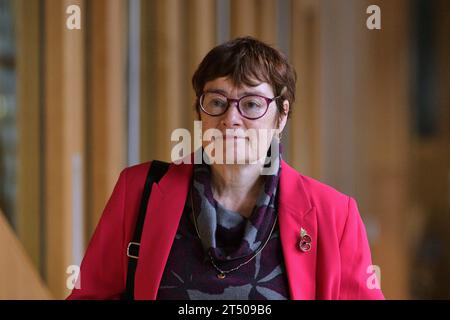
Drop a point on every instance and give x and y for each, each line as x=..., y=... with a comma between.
x=372, y=119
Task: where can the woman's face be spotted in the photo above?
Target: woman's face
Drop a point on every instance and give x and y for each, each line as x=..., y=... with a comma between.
x=240, y=139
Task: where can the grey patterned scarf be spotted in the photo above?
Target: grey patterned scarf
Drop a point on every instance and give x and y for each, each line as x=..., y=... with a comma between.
x=226, y=235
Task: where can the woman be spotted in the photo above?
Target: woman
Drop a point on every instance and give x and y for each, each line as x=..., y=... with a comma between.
x=233, y=230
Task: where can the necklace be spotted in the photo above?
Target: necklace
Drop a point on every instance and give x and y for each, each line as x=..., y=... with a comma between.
x=222, y=273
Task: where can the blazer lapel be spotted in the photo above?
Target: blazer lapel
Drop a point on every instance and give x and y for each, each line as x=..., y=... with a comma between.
x=295, y=213
x=164, y=211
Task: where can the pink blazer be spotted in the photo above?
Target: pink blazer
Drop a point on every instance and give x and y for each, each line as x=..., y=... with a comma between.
x=336, y=267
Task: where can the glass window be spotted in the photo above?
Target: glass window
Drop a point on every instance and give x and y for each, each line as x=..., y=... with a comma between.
x=8, y=131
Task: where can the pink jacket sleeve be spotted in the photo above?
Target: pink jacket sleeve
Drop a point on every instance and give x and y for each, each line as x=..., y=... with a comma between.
x=102, y=269
x=358, y=277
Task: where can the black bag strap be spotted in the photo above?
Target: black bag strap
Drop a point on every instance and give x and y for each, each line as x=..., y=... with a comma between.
x=155, y=173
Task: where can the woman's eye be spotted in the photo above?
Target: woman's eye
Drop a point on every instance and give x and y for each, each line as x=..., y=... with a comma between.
x=218, y=103
x=252, y=105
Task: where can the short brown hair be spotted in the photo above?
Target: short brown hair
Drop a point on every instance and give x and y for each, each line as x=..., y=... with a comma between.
x=246, y=61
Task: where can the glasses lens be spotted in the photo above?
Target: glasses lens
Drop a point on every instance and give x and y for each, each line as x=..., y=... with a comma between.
x=214, y=103
x=253, y=106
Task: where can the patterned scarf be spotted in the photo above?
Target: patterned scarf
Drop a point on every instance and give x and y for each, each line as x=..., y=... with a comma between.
x=218, y=228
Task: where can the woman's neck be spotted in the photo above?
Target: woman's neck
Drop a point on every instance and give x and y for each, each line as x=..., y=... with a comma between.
x=236, y=187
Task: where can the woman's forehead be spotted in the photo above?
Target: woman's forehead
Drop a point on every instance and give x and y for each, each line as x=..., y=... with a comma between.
x=225, y=85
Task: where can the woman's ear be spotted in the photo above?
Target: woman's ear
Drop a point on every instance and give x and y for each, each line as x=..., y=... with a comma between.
x=282, y=119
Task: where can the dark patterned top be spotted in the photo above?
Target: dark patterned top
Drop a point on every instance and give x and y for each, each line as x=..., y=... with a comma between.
x=189, y=274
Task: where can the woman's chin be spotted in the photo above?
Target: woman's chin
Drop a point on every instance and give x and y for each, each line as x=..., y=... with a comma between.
x=239, y=158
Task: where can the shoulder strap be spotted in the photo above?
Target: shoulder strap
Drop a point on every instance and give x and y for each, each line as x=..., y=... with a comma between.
x=155, y=173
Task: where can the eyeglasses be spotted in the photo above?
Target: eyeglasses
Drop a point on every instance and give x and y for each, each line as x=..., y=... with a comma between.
x=251, y=106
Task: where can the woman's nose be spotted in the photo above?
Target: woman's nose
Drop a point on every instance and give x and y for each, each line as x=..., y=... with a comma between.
x=232, y=117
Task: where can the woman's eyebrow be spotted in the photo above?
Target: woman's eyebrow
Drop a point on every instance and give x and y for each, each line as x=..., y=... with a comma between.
x=245, y=93
x=256, y=92
x=217, y=91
